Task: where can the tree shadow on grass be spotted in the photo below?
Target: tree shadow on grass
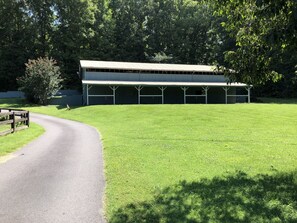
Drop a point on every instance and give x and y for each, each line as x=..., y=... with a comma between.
x=234, y=198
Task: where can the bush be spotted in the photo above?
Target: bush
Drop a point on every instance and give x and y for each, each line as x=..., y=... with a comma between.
x=42, y=80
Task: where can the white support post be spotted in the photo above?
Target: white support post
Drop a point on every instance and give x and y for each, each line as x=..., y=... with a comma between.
x=114, y=88
x=162, y=89
x=249, y=93
x=88, y=88
x=139, y=88
x=205, y=89
x=87, y=94
x=185, y=94
x=226, y=93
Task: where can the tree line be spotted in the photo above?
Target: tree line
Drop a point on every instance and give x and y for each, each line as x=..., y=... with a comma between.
x=255, y=38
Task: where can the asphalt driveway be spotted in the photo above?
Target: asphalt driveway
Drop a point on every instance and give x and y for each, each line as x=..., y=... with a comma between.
x=56, y=178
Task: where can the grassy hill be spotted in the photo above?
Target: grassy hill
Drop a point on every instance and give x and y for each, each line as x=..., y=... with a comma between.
x=196, y=163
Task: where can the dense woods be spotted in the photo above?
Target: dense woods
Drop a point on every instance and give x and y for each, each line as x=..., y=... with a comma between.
x=255, y=38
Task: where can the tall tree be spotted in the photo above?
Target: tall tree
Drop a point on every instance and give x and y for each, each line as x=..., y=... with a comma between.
x=128, y=29
x=73, y=29
x=160, y=26
x=192, y=39
x=263, y=31
x=16, y=41
x=256, y=39
x=43, y=15
x=102, y=43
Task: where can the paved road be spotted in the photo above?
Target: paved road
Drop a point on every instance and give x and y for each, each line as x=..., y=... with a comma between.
x=57, y=178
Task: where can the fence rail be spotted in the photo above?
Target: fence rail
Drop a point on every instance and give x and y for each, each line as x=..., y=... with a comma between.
x=16, y=119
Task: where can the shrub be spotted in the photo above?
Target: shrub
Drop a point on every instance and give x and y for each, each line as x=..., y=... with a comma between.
x=42, y=80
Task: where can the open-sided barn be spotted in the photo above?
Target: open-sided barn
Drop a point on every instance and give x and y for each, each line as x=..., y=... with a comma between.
x=106, y=82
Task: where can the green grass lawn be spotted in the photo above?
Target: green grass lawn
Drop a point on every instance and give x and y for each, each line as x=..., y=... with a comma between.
x=4, y=128
x=12, y=142
x=196, y=163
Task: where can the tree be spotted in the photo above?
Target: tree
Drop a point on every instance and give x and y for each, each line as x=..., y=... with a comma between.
x=73, y=32
x=42, y=14
x=255, y=39
x=129, y=23
x=191, y=33
x=102, y=43
x=16, y=42
x=263, y=31
x=41, y=81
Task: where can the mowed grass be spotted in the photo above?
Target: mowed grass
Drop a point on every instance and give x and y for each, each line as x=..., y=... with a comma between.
x=196, y=163
x=12, y=142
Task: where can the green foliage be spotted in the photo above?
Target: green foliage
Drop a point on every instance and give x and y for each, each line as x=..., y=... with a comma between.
x=16, y=42
x=287, y=85
x=73, y=31
x=102, y=30
x=163, y=31
x=263, y=30
x=256, y=39
x=41, y=81
x=42, y=16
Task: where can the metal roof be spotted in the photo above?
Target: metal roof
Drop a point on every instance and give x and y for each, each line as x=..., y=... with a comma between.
x=145, y=66
x=172, y=84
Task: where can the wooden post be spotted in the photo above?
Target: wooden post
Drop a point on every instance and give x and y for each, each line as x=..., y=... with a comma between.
x=28, y=119
x=13, y=123
x=12, y=119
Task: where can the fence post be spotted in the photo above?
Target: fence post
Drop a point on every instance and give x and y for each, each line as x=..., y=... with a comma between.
x=28, y=118
x=14, y=124
x=12, y=117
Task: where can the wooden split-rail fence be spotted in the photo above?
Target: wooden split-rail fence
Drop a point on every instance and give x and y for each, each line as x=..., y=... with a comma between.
x=13, y=120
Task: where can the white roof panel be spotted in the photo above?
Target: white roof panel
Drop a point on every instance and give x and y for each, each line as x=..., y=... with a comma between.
x=172, y=84
x=145, y=66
